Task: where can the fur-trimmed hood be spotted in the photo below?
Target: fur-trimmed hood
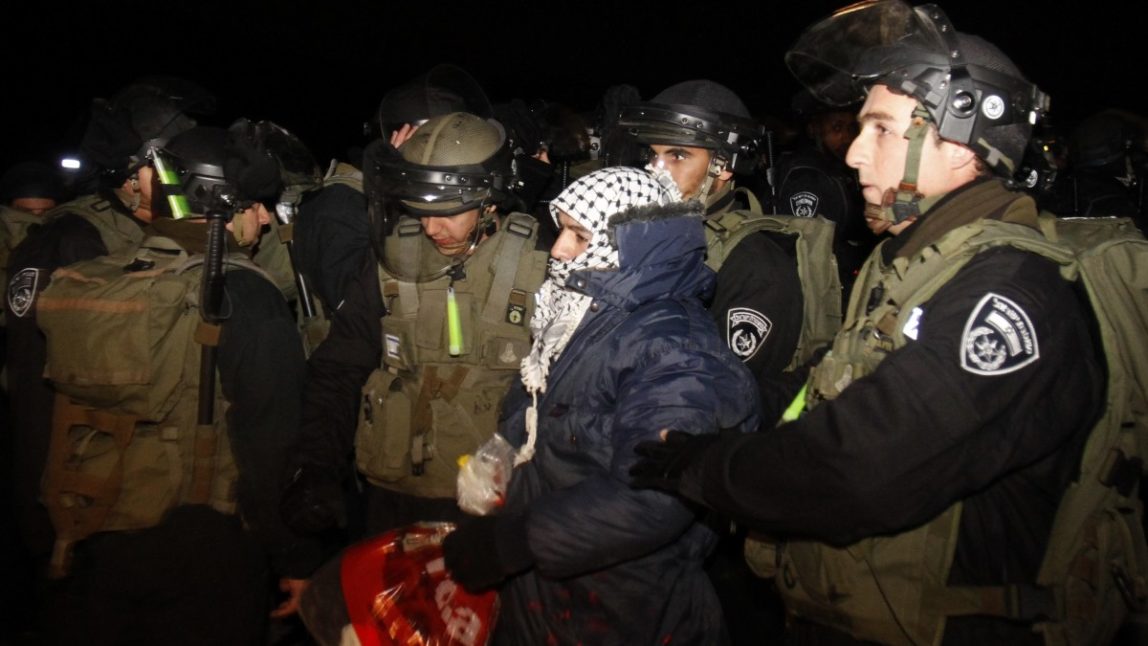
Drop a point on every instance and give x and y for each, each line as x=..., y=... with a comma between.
x=661, y=253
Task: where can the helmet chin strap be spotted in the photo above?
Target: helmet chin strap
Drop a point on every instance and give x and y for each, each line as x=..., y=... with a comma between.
x=904, y=203
x=716, y=166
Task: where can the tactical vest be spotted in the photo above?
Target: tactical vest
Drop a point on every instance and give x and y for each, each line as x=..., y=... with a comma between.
x=117, y=230
x=423, y=408
x=893, y=589
x=345, y=174
x=14, y=225
x=816, y=268
x=124, y=337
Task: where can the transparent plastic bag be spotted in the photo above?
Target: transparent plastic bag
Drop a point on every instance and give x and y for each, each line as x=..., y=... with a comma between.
x=482, y=477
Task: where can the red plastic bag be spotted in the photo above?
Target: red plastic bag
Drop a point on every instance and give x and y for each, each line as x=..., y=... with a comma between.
x=398, y=592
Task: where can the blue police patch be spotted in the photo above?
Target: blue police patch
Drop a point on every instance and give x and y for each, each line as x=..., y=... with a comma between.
x=998, y=339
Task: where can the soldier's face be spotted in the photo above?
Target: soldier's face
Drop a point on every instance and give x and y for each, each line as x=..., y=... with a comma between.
x=686, y=164
x=835, y=131
x=879, y=151
x=33, y=205
x=451, y=234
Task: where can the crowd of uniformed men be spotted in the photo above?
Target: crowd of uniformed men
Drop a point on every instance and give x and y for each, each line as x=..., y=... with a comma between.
x=224, y=362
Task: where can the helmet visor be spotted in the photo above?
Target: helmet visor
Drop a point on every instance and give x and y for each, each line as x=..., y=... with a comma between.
x=837, y=58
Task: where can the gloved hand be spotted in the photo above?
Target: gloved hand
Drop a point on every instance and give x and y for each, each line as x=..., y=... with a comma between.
x=486, y=550
x=664, y=462
x=312, y=501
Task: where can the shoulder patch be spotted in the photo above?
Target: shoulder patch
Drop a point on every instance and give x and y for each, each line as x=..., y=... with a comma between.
x=804, y=204
x=998, y=339
x=22, y=291
x=746, y=330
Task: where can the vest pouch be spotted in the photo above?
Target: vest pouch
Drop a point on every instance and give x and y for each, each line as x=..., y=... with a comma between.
x=383, y=436
x=878, y=589
x=458, y=426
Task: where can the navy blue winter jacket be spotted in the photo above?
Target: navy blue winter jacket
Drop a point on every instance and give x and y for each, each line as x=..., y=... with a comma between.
x=616, y=565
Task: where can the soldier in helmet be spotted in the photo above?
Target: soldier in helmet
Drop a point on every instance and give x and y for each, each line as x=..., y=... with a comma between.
x=331, y=229
x=118, y=137
x=166, y=487
x=948, y=418
x=430, y=332
x=701, y=133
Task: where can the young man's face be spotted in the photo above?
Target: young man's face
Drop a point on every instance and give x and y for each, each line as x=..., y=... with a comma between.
x=879, y=151
x=573, y=239
x=834, y=132
x=451, y=234
x=686, y=164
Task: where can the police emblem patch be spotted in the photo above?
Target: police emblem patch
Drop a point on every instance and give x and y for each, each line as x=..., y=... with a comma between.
x=998, y=338
x=804, y=204
x=746, y=330
x=22, y=291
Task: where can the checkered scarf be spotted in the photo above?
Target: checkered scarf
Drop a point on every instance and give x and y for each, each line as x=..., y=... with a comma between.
x=590, y=200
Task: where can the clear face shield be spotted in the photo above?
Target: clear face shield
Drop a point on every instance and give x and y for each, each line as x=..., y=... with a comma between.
x=915, y=51
x=425, y=222
x=839, y=57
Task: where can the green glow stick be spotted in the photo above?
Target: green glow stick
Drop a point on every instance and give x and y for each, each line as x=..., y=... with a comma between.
x=453, y=323
x=180, y=209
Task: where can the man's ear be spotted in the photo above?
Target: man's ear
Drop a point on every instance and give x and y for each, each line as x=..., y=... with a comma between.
x=959, y=156
x=726, y=175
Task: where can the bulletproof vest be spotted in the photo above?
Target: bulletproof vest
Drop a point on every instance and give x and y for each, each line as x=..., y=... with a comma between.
x=816, y=267
x=117, y=230
x=892, y=589
x=14, y=225
x=345, y=174
x=424, y=407
x=124, y=337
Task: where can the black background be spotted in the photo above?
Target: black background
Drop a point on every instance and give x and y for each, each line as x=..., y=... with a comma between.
x=319, y=69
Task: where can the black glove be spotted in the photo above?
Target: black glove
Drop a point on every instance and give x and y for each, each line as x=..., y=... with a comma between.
x=313, y=501
x=664, y=462
x=484, y=551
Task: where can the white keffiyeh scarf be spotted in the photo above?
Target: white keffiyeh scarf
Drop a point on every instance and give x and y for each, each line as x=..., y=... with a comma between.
x=590, y=200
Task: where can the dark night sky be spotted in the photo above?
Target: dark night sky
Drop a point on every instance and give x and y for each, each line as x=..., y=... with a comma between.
x=319, y=69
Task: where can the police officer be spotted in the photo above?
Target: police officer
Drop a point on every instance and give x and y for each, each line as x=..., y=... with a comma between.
x=429, y=335
x=195, y=532
x=112, y=218
x=702, y=134
x=813, y=179
x=331, y=230
x=948, y=418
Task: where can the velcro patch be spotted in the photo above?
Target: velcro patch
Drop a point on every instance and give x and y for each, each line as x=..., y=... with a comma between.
x=22, y=291
x=746, y=331
x=999, y=338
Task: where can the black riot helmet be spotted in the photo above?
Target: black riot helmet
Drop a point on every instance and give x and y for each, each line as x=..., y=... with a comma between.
x=972, y=92
x=699, y=114
x=140, y=117
x=216, y=170
x=452, y=165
